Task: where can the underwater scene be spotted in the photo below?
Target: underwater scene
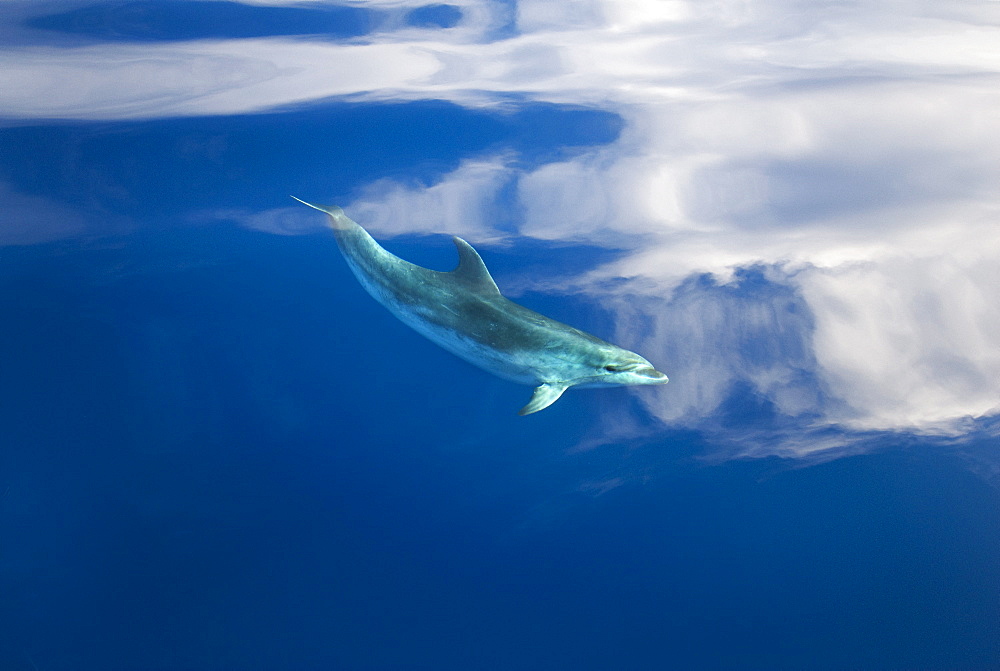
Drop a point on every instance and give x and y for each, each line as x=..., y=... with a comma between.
x=500, y=335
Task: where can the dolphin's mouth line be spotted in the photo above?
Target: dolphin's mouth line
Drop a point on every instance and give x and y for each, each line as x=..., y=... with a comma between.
x=623, y=367
x=644, y=369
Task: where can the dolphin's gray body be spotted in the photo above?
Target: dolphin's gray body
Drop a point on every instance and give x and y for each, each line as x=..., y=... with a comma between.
x=463, y=312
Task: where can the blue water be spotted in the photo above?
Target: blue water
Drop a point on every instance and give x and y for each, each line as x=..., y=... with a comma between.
x=169, y=20
x=221, y=453
x=218, y=452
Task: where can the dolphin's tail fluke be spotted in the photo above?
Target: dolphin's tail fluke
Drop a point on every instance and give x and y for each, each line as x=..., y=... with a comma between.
x=338, y=220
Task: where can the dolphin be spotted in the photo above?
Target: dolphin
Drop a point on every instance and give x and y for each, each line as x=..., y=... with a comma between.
x=464, y=312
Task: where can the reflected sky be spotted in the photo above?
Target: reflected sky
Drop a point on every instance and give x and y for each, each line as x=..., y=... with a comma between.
x=172, y=20
x=845, y=158
x=220, y=453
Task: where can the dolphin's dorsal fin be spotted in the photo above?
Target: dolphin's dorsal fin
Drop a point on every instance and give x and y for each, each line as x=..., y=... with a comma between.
x=544, y=396
x=471, y=270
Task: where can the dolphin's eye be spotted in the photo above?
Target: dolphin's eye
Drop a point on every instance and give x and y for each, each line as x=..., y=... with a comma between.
x=611, y=368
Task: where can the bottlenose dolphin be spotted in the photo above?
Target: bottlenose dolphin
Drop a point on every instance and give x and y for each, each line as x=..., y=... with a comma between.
x=463, y=312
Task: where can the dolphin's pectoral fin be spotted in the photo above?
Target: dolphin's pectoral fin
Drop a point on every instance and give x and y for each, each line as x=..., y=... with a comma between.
x=471, y=270
x=544, y=396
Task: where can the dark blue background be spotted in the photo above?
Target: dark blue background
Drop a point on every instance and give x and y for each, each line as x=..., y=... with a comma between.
x=219, y=453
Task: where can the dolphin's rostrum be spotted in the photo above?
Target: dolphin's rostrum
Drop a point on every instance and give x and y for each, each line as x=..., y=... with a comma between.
x=463, y=312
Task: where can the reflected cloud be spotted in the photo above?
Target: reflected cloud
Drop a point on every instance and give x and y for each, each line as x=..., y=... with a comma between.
x=462, y=204
x=195, y=78
x=279, y=221
x=805, y=197
x=627, y=52
x=909, y=342
x=29, y=220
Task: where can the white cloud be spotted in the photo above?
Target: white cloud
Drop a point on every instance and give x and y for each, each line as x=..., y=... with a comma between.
x=537, y=15
x=29, y=220
x=851, y=148
x=459, y=205
x=909, y=342
x=189, y=78
x=279, y=221
x=880, y=207
x=615, y=53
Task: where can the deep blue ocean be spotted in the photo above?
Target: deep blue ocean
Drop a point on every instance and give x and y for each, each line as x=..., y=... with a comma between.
x=218, y=452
